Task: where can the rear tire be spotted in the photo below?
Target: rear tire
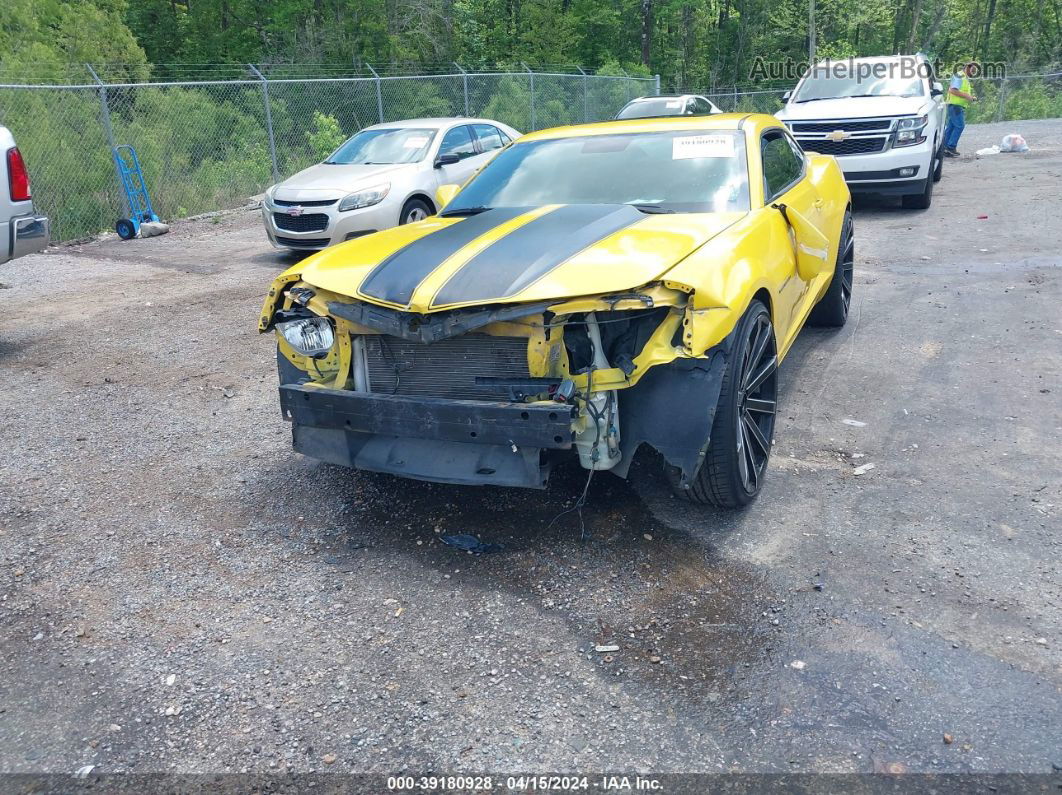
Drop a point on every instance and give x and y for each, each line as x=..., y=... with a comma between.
x=734, y=468
x=414, y=210
x=919, y=201
x=832, y=309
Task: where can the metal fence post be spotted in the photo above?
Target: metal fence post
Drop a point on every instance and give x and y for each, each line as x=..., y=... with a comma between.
x=531, y=77
x=379, y=92
x=464, y=84
x=657, y=86
x=268, y=121
x=1001, y=109
x=586, y=105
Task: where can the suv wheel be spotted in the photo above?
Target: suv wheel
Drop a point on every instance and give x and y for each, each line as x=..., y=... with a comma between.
x=919, y=201
x=938, y=170
x=736, y=463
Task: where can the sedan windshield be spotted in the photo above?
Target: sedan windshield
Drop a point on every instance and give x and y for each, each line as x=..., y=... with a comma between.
x=686, y=171
x=824, y=84
x=384, y=146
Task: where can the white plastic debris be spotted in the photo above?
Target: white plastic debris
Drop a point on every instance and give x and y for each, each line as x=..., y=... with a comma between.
x=854, y=423
x=988, y=150
x=863, y=469
x=798, y=664
x=1013, y=143
x=606, y=649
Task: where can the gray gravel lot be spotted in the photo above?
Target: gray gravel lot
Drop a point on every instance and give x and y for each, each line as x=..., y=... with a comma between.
x=181, y=592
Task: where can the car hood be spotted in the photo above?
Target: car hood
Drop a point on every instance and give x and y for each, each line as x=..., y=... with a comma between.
x=853, y=108
x=334, y=181
x=512, y=255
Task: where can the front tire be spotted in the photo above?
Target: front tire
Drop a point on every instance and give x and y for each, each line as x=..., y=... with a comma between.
x=919, y=201
x=414, y=210
x=734, y=468
x=938, y=172
x=832, y=309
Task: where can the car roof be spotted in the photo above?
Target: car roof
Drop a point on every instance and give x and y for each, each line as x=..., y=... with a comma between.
x=436, y=121
x=718, y=121
x=875, y=59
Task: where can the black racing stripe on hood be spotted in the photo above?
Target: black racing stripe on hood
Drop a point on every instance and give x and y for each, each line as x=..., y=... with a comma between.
x=529, y=252
x=396, y=278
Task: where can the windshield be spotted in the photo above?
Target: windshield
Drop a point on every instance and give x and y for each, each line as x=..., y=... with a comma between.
x=881, y=79
x=687, y=171
x=647, y=108
x=384, y=146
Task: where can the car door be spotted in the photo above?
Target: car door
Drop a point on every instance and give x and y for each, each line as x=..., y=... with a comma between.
x=785, y=182
x=458, y=140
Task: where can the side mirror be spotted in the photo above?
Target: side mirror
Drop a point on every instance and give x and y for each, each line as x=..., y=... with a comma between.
x=812, y=247
x=786, y=96
x=936, y=90
x=445, y=194
x=447, y=160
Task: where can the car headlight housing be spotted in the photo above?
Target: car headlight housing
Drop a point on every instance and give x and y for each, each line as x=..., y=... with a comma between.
x=909, y=131
x=365, y=197
x=309, y=336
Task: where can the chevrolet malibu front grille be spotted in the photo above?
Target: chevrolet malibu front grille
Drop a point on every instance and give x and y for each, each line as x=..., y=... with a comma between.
x=311, y=222
x=445, y=369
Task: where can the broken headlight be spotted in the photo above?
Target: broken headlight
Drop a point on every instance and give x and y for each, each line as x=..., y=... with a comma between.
x=309, y=336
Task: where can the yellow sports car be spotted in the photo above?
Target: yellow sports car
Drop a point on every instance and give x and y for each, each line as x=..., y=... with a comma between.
x=591, y=290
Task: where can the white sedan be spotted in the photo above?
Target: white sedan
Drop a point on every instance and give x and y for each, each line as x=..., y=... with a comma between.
x=383, y=176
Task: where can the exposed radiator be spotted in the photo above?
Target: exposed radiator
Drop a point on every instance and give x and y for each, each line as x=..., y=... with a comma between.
x=444, y=369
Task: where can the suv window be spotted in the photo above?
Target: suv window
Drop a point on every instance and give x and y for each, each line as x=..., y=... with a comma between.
x=490, y=137
x=782, y=163
x=459, y=142
x=701, y=106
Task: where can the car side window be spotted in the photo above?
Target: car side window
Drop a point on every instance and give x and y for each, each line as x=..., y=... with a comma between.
x=702, y=106
x=458, y=141
x=782, y=164
x=490, y=137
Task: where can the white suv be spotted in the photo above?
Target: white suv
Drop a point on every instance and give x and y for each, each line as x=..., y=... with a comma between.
x=22, y=231
x=882, y=118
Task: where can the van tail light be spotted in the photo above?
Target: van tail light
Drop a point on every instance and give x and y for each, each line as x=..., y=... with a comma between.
x=17, y=176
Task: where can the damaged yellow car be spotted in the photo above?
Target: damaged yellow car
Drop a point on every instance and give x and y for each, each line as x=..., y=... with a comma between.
x=591, y=290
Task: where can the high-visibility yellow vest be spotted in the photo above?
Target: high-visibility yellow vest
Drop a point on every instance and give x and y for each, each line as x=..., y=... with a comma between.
x=966, y=88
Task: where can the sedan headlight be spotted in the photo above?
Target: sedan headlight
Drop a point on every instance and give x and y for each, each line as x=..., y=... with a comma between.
x=909, y=131
x=365, y=198
x=312, y=336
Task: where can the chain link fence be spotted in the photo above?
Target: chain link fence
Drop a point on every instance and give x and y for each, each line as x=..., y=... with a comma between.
x=210, y=145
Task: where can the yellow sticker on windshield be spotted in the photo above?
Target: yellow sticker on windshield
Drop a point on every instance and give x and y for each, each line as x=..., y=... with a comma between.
x=693, y=146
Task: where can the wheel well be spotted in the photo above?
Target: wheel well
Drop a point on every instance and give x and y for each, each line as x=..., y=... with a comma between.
x=764, y=295
x=426, y=199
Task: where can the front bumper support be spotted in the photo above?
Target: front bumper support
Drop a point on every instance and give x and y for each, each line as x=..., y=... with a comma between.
x=448, y=441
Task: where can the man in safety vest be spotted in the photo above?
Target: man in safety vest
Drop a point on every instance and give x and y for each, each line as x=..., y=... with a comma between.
x=960, y=95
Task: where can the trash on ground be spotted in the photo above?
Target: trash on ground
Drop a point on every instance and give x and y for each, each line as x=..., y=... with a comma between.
x=854, y=423
x=471, y=544
x=798, y=664
x=988, y=150
x=606, y=649
x=1013, y=142
x=863, y=469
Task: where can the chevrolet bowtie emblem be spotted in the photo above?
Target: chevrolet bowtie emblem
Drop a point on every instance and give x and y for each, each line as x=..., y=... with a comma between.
x=295, y=211
x=837, y=135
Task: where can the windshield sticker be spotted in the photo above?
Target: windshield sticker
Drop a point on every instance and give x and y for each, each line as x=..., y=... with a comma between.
x=672, y=103
x=695, y=146
x=415, y=142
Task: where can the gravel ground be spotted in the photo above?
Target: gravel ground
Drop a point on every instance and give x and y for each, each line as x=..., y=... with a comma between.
x=181, y=592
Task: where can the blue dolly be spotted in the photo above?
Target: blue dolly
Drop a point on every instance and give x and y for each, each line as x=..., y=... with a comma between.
x=136, y=195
